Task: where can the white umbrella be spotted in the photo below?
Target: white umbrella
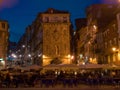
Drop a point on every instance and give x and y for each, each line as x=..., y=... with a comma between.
x=35, y=67
x=51, y=67
x=90, y=66
x=68, y=66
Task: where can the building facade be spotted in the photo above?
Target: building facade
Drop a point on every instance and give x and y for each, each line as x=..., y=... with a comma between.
x=80, y=39
x=101, y=15
x=111, y=39
x=4, y=34
x=49, y=38
x=54, y=34
x=102, y=34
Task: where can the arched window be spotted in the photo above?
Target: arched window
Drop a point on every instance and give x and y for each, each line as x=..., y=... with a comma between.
x=46, y=19
x=56, y=50
x=3, y=25
x=64, y=19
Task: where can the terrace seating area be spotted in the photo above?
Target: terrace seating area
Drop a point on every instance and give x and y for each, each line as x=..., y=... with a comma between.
x=65, y=78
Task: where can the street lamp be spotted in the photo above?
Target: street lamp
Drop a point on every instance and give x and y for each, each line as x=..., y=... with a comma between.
x=13, y=55
x=115, y=55
x=23, y=46
x=29, y=55
x=114, y=49
x=30, y=58
x=72, y=57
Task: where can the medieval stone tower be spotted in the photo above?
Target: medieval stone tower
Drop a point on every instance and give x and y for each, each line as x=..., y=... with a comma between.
x=55, y=26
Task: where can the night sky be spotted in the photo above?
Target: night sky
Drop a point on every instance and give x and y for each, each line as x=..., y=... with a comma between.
x=21, y=13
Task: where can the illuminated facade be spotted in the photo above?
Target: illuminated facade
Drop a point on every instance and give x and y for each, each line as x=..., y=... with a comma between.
x=102, y=34
x=55, y=31
x=3, y=43
x=111, y=39
x=101, y=16
x=48, y=38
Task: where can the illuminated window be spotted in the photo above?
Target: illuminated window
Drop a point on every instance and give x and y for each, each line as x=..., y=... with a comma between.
x=56, y=50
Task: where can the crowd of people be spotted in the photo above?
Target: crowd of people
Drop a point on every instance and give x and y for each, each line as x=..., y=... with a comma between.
x=52, y=78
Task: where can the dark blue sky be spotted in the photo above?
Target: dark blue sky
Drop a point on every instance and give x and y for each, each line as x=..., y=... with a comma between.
x=21, y=13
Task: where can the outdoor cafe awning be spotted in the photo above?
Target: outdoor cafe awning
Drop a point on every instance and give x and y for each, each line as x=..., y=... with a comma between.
x=91, y=66
x=61, y=67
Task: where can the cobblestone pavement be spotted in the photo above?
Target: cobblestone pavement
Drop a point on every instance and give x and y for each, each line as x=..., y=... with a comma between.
x=80, y=87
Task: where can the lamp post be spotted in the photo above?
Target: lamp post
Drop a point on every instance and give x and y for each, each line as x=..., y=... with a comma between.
x=29, y=59
x=114, y=49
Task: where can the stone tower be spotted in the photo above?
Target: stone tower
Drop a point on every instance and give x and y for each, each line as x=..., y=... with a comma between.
x=55, y=26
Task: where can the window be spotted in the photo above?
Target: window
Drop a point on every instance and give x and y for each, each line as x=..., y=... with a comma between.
x=65, y=48
x=115, y=41
x=107, y=33
x=55, y=19
x=89, y=20
x=110, y=42
x=1, y=34
x=3, y=25
x=65, y=32
x=46, y=19
x=64, y=19
x=105, y=44
x=110, y=6
x=56, y=50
